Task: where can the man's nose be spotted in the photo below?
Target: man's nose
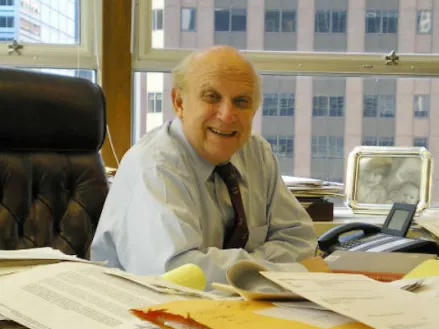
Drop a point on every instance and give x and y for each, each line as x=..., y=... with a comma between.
x=226, y=112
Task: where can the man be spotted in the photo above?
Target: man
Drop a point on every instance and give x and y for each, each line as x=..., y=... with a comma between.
x=170, y=205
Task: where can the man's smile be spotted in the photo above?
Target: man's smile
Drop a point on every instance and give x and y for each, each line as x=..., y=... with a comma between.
x=223, y=133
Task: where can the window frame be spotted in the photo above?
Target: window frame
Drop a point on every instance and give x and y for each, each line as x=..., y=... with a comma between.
x=76, y=56
x=146, y=58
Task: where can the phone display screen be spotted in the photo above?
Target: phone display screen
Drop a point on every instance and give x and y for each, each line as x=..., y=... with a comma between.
x=398, y=220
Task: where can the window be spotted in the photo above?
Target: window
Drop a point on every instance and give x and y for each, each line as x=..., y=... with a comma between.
x=7, y=21
x=336, y=106
x=327, y=147
x=282, y=146
x=385, y=21
x=155, y=102
x=280, y=21
x=381, y=105
x=286, y=104
x=188, y=19
x=421, y=106
x=230, y=20
x=319, y=146
x=324, y=104
x=278, y=104
x=386, y=141
x=420, y=142
x=370, y=141
x=269, y=107
x=378, y=141
x=319, y=106
x=424, y=21
x=157, y=19
x=6, y=2
x=336, y=147
x=327, y=21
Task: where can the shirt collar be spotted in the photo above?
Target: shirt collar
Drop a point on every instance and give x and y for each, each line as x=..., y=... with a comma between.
x=204, y=167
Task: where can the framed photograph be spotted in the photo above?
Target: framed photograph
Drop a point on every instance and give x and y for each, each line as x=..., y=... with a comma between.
x=378, y=176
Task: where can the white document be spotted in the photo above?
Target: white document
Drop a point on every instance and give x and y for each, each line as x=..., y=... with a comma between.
x=373, y=303
x=72, y=295
x=156, y=283
x=38, y=254
x=322, y=319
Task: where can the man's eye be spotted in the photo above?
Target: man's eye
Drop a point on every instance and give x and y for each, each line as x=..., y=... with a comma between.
x=242, y=102
x=211, y=97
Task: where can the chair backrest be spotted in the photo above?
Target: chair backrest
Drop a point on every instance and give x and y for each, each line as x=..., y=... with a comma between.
x=52, y=179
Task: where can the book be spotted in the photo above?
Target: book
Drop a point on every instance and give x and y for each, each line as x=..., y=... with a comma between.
x=381, y=266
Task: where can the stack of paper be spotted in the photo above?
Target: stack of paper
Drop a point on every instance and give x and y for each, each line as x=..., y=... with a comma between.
x=310, y=190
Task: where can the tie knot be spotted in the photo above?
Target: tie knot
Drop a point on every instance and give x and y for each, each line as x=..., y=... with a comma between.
x=226, y=171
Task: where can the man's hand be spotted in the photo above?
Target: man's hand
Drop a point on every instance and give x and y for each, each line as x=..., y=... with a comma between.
x=315, y=264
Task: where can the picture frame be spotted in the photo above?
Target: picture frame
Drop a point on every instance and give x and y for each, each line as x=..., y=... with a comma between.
x=378, y=176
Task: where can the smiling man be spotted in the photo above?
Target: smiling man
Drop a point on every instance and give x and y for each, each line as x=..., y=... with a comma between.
x=201, y=189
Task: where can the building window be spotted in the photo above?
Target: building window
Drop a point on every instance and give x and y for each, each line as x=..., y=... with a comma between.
x=287, y=102
x=381, y=105
x=282, y=146
x=155, y=102
x=230, y=20
x=424, y=21
x=386, y=141
x=381, y=21
x=269, y=107
x=370, y=141
x=330, y=21
x=420, y=142
x=322, y=105
x=7, y=21
x=336, y=106
x=336, y=147
x=378, y=141
x=318, y=146
x=327, y=147
x=188, y=19
x=421, y=106
x=157, y=19
x=319, y=106
x=278, y=104
x=280, y=21
x=6, y=2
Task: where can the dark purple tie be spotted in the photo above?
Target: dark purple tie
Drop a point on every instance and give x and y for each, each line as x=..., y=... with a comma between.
x=237, y=237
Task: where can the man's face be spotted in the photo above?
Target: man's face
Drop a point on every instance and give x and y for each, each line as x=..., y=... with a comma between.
x=217, y=107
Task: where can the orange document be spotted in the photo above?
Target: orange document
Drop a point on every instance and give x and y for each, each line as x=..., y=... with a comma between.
x=220, y=314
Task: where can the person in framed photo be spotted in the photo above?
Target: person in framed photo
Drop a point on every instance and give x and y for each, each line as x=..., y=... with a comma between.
x=407, y=192
x=372, y=174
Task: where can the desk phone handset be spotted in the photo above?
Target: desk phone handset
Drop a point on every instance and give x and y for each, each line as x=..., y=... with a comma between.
x=369, y=237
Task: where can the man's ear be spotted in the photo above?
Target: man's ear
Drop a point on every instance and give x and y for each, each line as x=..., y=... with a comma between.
x=177, y=102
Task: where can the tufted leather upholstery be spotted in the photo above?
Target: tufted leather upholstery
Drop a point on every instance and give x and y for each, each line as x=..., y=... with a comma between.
x=52, y=180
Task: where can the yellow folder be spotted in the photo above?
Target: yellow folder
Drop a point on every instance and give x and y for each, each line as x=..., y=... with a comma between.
x=425, y=269
x=220, y=314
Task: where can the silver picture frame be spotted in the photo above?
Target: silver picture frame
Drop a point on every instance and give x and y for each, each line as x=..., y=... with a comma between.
x=378, y=176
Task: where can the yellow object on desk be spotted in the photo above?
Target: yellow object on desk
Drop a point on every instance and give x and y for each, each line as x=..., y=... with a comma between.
x=188, y=275
x=425, y=269
x=230, y=314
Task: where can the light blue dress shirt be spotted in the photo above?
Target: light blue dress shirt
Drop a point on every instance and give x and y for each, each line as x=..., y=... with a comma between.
x=167, y=208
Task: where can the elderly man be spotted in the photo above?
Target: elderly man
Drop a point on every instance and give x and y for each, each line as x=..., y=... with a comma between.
x=201, y=189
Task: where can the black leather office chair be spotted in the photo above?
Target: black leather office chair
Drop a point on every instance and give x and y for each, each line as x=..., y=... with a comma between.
x=52, y=180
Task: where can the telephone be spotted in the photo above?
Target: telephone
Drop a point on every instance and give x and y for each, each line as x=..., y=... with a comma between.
x=368, y=237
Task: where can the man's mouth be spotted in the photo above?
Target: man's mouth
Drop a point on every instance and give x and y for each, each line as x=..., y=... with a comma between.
x=223, y=133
